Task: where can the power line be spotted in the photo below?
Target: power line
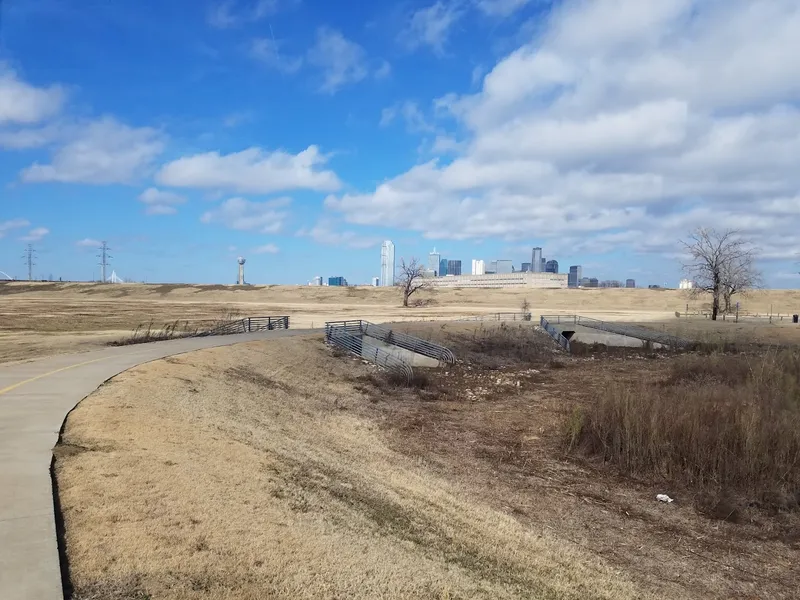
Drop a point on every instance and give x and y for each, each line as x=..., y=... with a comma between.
x=104, y=257
x=29, y=256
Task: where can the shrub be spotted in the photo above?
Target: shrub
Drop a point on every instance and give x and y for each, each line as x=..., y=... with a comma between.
x=494, y=347
x=724, y=423
x=144, y=335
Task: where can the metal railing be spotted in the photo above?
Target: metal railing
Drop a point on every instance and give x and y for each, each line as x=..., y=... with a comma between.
x=554, y=333
x=348, y=335
x=502, y=316
x=634, y=331
x=247, y=325
x=403, y=340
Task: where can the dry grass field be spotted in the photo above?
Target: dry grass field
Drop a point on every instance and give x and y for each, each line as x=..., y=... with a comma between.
x=38, y=319
x=284, y=470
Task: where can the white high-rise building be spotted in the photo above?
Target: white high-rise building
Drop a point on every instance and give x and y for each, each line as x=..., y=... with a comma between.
x=376, y=281
x=478, y=267
x=686, y=284
x=387, y=264
x=537, y=265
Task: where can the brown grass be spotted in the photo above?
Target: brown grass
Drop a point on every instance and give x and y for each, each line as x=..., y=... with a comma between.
x=725, y=424
x=226, y=475
x=280, y=470
x=146, y=334
x=41, y=319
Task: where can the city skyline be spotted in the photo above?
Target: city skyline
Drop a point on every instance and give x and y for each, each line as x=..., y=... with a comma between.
x=303, y=151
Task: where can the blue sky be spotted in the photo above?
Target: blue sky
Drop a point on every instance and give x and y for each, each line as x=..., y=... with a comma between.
x=301, y=133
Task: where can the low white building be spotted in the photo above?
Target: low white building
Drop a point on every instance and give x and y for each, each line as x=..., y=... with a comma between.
x=503, y=280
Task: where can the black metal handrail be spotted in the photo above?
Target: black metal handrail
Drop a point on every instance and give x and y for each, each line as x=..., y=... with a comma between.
x=634, y=331
x=403, y=340
x=554, y=333
x=248, y=325
x=348, y=336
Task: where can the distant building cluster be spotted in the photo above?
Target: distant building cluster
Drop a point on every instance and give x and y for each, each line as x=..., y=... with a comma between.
x=497, y=273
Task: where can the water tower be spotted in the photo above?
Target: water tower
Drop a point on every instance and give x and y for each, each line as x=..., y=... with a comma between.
x=241, y=262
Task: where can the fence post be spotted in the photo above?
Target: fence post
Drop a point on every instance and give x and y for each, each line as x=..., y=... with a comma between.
x=249, y=326
x=286, y=323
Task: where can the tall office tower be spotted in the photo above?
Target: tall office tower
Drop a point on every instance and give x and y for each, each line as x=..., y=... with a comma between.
x=542, y=265
x=526, y=267
x=376, y=281
x=503, y=266
x=443, y=267
x=630, y=283
x=387, y=264
x=536, y=260
x=551, y=266
x=491, y=267
x=478, y=267
x=575, y=276
x=318, y=280
x=454, y=267
x=434, y=260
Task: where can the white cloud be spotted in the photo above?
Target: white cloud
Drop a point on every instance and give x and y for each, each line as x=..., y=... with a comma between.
x=329, y=233
x=267, y=52
x=36, y=235
x=233, y=13
x=266, y=249
x=622, y=124
x=383, y=71
x=412, y=115
x=27, y=138
x=23, y=103
x=431, y=26
x=341, y=60
x=6, y=226
x=88, y=243
x=251, y=171
x=101, y=152
x=244, y=215
x=500, y=8
x=159, y=202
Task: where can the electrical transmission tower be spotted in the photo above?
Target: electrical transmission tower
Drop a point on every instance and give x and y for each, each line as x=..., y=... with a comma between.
x=29, y=256
x=104, y=257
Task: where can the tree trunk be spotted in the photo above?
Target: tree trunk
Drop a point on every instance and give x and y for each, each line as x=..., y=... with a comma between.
x=715, y=307
x=405, y=300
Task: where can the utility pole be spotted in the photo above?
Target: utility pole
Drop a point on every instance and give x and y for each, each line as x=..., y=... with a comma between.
x=29, y=256
x=104, y=257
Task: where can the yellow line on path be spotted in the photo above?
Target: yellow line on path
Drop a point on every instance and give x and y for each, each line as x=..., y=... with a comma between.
x=43, y=375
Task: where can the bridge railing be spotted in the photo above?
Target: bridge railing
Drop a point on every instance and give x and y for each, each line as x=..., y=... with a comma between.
x=248, y=325
x=349, y=336
x=554, y=333
x=634, y=331
x=501, y=316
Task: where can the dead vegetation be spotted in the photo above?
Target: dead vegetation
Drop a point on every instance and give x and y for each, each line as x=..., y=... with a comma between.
x=224, y=474
x=146, y=334
x=726, y=425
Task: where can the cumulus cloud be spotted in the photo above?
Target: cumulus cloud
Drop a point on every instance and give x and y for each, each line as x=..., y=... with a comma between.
x=431, y=26
x=6, y=226
x=244, y=215
x=251, y=171
x=102, y=152
x=622, y=124
x=36, y=235
x=159, y=202
x=88, y=243
x=23, y=103
x=341, y=61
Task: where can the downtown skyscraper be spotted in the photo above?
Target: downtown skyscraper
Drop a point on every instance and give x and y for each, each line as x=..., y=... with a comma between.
x=387, y=264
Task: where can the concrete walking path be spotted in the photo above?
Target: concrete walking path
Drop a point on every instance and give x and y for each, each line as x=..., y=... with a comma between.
x=35, y=398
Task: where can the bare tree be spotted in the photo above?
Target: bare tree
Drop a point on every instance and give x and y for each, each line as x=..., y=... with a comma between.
x=722, y=264
x=411, y=279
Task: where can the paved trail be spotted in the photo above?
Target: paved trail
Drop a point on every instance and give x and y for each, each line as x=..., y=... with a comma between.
x=35, y=398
